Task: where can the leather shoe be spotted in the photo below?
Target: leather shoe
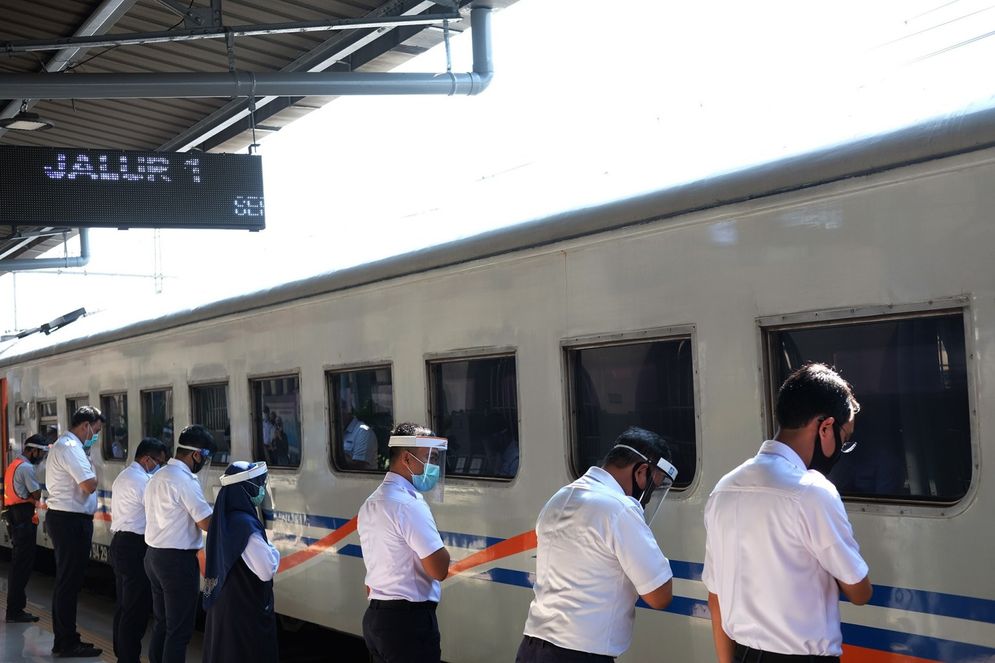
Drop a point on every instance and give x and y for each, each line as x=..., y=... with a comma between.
x=81, y=650
x=55, y=650
x=22, y=618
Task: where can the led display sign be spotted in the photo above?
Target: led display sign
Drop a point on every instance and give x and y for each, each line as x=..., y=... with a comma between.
x=82, y=188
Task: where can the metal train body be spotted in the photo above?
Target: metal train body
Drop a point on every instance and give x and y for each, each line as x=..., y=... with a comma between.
x=896, y=225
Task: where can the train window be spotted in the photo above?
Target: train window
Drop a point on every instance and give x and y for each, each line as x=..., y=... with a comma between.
x=276, y=406
x=48, y=419
x=362, y=413
x=910, y=376
x=157, y=415
x=73, y=404
x=114, y=434
x=646, y=384
x=209, y=408
x=475, y=406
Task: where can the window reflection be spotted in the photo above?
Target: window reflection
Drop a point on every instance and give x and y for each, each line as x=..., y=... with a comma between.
x=157, y=415
x=277, y=425
x=114, y=434
x=209, y=408
x=362, y=407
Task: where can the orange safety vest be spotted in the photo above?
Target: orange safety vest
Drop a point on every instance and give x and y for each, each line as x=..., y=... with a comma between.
x=10, y=497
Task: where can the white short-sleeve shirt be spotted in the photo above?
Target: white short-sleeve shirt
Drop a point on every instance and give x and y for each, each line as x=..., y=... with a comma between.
x=67, y=467
x=128, y=500
x=595, y=556
x=174, y=503
x=360, y=443
x=777, y=538
x=397, y=531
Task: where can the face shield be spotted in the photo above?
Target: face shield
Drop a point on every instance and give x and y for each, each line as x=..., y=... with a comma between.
x=659, y=478
x=429, y=455
x=252, y=476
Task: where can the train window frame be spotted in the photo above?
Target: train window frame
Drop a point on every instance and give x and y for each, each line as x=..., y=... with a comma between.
x=571, y=344
x=43, y=420
x=107, y=458
x=225, y=382
x=854, y=315
x=73, y=400
x=141, y=406
x=275, y=375
x=434, y=359
x=329, y=371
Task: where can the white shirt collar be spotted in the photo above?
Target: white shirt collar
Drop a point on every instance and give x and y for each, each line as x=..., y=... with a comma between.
x=73, y=435
x=777, y=448
x=176, y=462
x=605, y=478
x=399, y=481
x=136, y=466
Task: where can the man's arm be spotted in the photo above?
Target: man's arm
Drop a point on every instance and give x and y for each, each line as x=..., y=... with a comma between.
x=660, y=598
x=35, y=496
x=858, y=593
x=436, y=565
x=724, y=646
x=204, y=524
x=89, y=486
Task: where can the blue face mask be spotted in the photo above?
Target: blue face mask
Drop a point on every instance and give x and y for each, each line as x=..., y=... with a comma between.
x=425, y=481
x=155, y=469
x=91, y=441
x=260, y=495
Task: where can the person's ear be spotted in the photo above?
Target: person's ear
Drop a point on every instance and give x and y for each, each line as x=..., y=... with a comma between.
x=827, y=435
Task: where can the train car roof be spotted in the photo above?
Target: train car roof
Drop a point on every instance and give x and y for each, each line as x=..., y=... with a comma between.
x=950, y=135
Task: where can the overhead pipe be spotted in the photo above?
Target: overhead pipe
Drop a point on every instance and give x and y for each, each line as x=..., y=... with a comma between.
x=66, y=262
x=250, y=84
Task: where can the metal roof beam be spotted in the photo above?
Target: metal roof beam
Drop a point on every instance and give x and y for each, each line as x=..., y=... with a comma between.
x=213, y=32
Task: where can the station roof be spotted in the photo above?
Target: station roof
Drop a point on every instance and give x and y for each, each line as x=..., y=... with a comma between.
x=206, y=124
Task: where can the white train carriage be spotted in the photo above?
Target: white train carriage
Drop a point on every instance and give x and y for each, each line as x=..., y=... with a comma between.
x=533, y=346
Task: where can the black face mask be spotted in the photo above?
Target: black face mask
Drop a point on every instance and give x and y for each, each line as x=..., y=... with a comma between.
x=198, y=465
x=820, y=462
x=637, y=492
x=36, y=459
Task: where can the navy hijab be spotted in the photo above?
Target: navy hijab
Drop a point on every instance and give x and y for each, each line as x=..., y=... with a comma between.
x=234, y=520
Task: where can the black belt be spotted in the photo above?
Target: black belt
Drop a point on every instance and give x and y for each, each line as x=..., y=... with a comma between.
x=746, y=654
x=74, y=514
x=574, y=654
x=401, y=604
x=125, y=534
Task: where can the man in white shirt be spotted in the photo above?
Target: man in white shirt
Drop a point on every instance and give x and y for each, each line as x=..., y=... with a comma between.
x=404, y=555
x=359, y=443
x=72, y=501
x=596, y=556
x=779, y=547
x=175, y=514
x=127, y=554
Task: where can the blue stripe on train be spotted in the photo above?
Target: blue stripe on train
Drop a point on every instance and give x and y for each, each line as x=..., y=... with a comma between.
x=912, y=600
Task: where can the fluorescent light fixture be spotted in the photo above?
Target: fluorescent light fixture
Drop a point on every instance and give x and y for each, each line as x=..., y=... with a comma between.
x=25, y=121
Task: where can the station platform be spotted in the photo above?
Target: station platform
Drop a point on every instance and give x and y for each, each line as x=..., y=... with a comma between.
x=31, y=643
x=95, y=614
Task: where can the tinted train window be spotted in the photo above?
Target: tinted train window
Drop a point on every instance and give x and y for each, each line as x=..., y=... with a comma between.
x=48, y=419
x=910, y=377
x=73, y=404
x=276, y=421
x=475, y=406
x=362, y=414
x=647, y=384
x=157, y=415
x=114, y=433
x=209, y=408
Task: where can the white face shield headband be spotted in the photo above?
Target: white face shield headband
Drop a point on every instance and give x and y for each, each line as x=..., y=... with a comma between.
x=659, y=479
x=431, y=481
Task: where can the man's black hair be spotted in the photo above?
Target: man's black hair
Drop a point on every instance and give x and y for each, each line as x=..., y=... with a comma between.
x=152, y=447
x=405, y=429
x=814, y=390
x=646, y=442
x=196, y=436
x=87, y=414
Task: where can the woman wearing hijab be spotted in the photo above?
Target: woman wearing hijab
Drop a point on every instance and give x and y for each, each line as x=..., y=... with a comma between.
x=239, y=570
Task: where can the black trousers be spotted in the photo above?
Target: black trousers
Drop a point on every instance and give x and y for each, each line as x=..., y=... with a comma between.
x=536, y=650
x=71, y=535
x=175, y=579
x=23, y=538
x=745, y=654
x=134, y=595
x=402, y=632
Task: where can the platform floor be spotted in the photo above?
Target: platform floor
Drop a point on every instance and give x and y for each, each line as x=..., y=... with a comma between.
x=33, y=642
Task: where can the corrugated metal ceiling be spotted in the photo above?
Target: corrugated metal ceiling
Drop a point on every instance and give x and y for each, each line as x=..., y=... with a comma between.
x=213, y=124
